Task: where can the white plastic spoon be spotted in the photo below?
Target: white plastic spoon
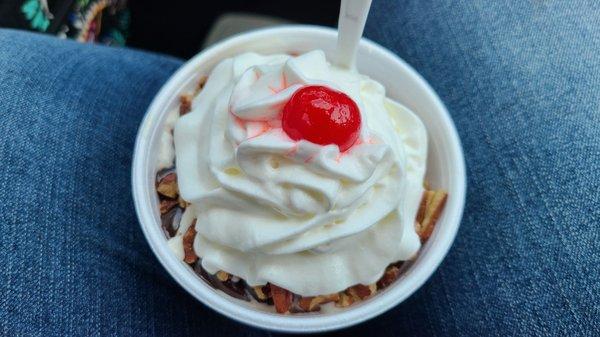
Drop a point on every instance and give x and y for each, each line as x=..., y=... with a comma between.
x=353, y=15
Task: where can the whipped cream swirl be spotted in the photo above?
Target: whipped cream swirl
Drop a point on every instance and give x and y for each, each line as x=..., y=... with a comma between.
x=300, y=215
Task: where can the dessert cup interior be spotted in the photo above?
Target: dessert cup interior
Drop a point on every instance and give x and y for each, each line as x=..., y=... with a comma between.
x=445, y=170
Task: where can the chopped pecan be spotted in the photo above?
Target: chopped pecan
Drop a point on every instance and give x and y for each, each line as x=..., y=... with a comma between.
x=422, y=208
x=431, y=207
x=188, y=244
x=185, y=104
x=309, y=304
x=344, y=300
x=391, y=274
x=166, y=205
x=361, y=291
x=222, y=276
x=168, y=186
x=260, y=293
x=282, y=299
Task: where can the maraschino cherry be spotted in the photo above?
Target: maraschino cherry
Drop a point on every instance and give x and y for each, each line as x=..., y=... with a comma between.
x=322, y=116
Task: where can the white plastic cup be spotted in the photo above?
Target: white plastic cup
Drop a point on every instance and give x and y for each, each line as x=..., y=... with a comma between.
x=446, y=169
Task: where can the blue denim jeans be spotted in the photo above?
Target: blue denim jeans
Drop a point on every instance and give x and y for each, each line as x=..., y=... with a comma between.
x=521, y=80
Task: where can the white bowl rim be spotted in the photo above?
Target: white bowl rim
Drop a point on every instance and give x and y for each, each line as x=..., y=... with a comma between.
x=292, y=323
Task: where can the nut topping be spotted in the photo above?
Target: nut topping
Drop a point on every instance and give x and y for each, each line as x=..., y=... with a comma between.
x=361, y=291
x=261, y=293
x=188, y=241
x=391, y=274
x=309, y=304
x=222, y=276
x=166, y=205
x=282, y=299
x=431, y=207
x=168, y=186
x=344, y=300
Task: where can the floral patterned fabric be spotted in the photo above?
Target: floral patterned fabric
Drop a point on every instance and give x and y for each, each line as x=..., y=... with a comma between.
x=103, y=21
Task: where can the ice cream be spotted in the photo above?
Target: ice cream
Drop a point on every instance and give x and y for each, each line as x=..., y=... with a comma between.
x=303, y=216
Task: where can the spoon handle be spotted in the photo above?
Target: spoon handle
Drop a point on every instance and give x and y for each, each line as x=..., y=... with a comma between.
x=353, y=15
